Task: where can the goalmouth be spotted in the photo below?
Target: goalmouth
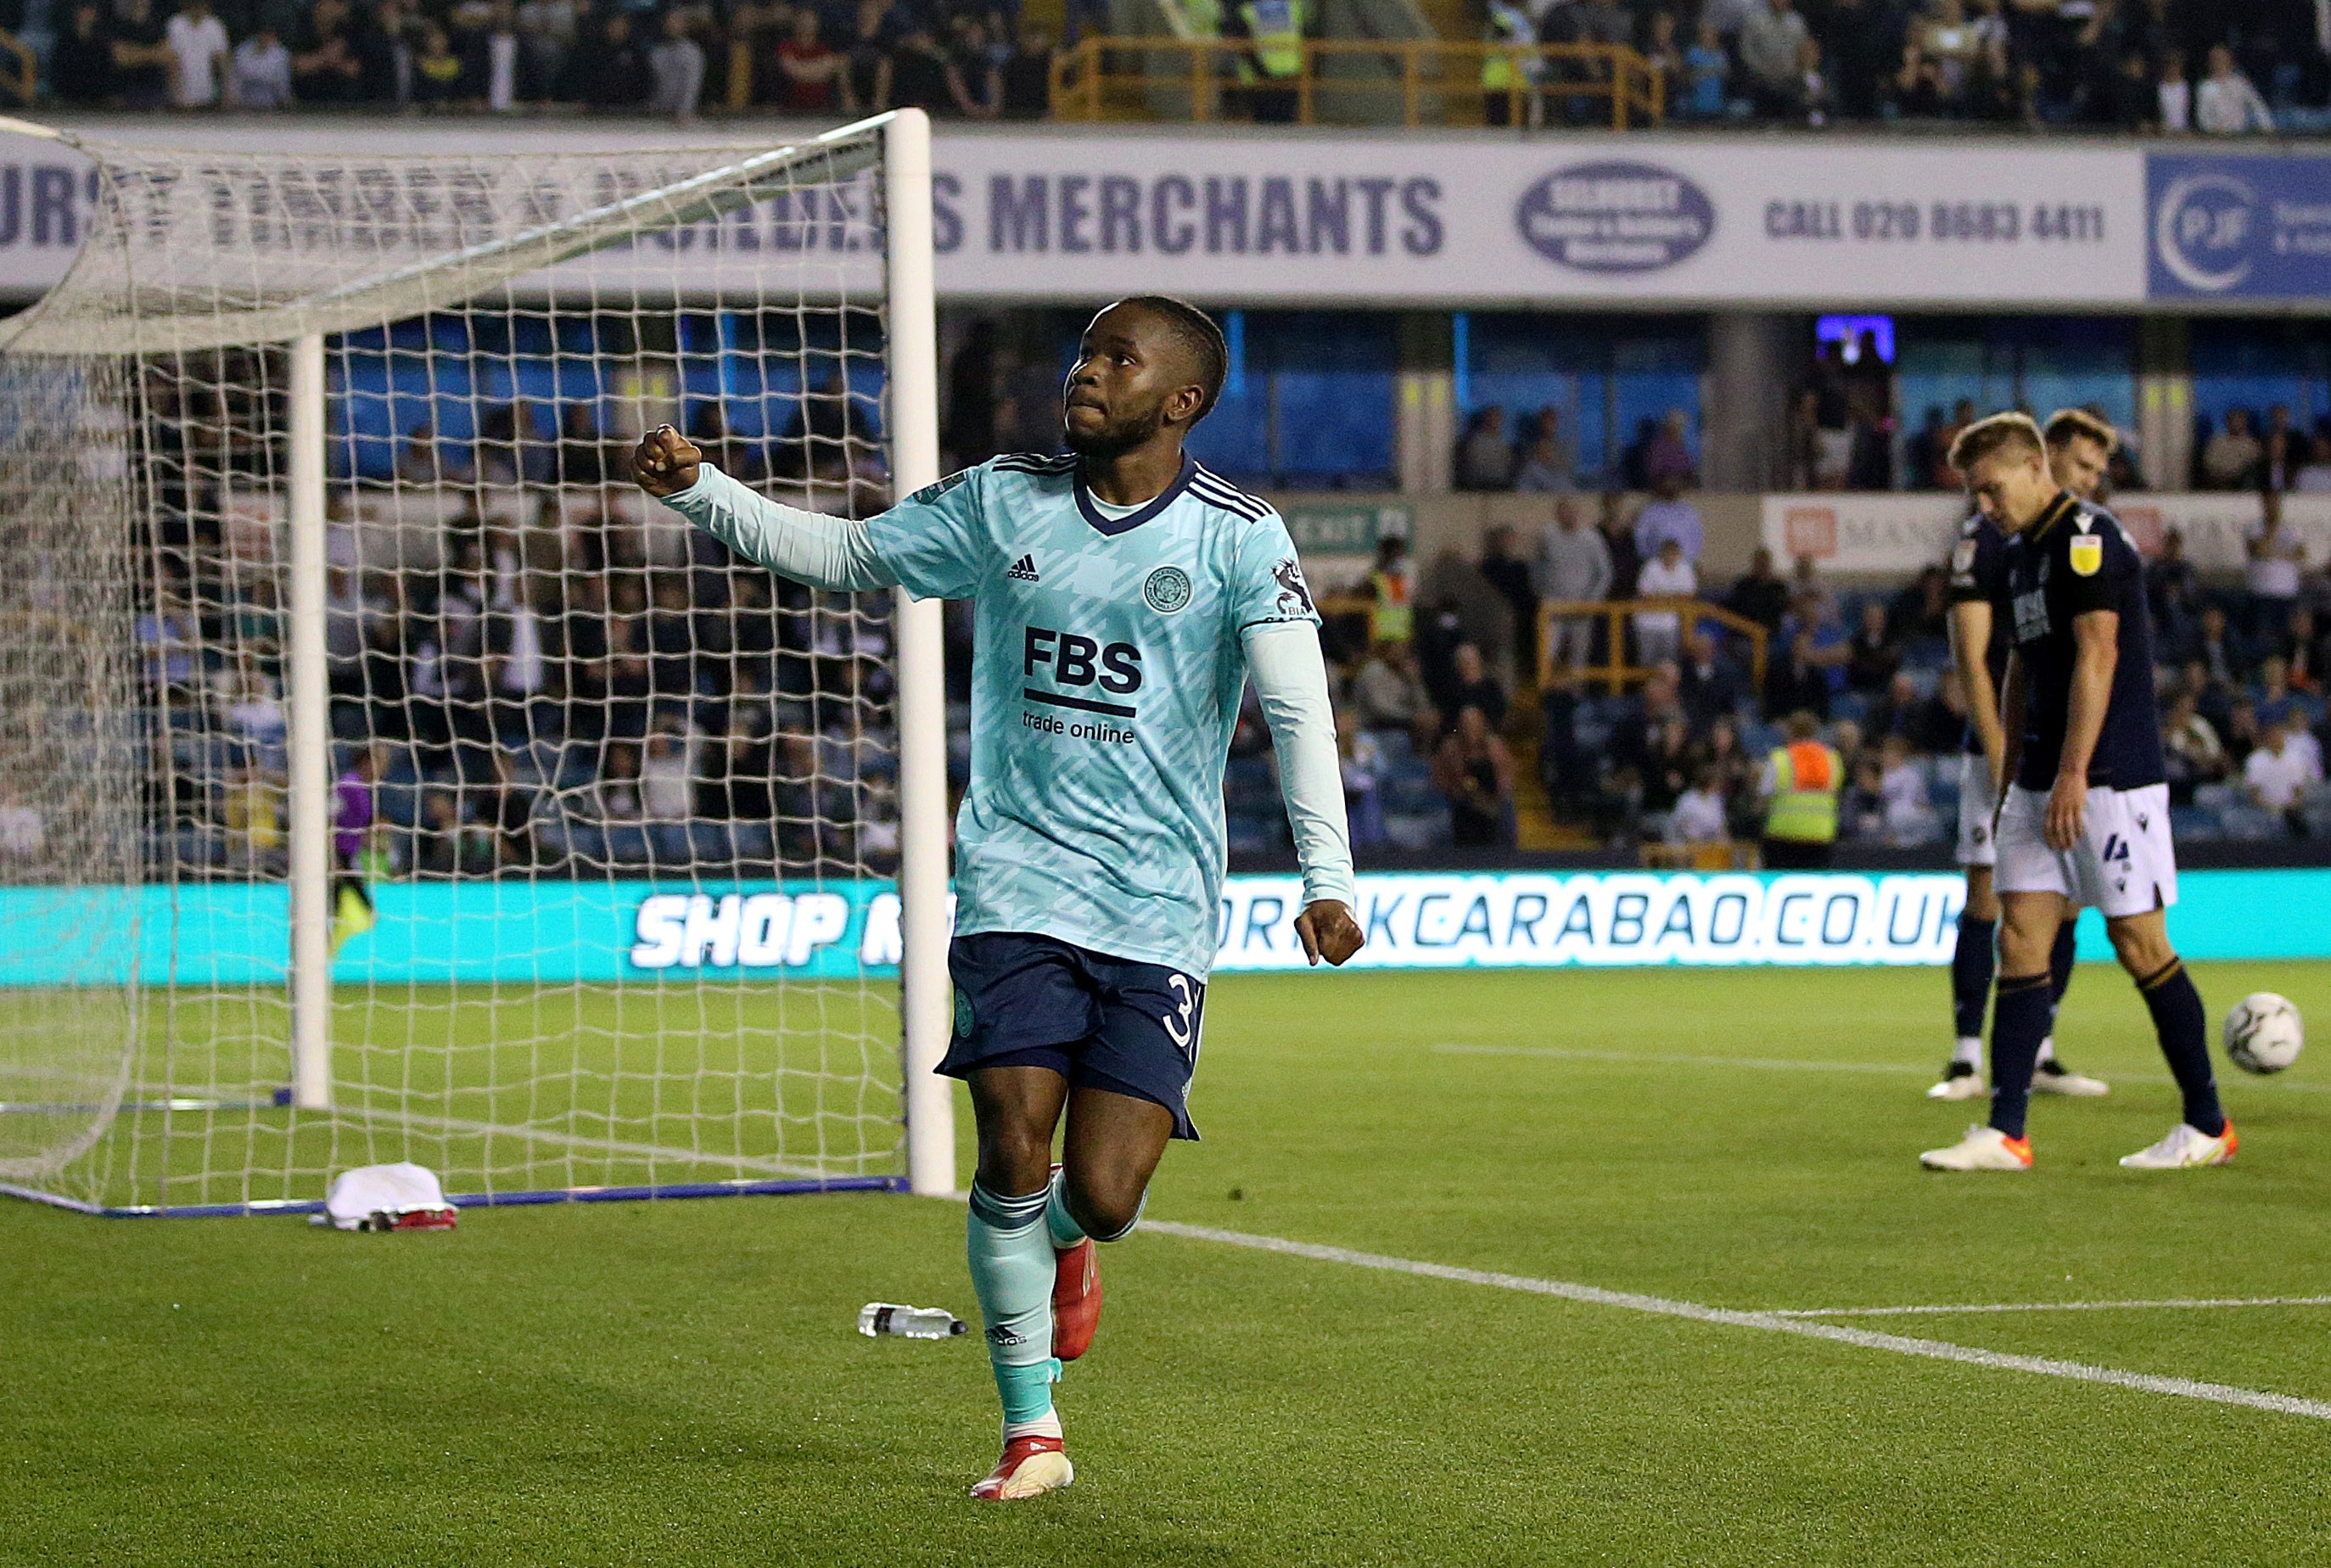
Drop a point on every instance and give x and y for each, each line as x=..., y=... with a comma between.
x=352, y=701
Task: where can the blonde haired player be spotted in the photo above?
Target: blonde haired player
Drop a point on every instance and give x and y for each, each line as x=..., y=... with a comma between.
x=2079, y=447
x=2085, y=814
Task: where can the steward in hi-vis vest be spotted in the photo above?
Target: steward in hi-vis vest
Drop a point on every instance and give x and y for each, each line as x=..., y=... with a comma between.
x=1802, y=782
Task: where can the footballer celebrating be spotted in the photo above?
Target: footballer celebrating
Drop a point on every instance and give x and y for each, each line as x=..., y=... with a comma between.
x=2085, y=814
x=1124, y=595
x=2079, y=446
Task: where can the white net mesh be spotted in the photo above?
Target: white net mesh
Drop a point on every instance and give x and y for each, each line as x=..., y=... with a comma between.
x=610, y=807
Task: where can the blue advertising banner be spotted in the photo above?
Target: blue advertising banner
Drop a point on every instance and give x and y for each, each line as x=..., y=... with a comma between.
x=2238, y=226
x=513, y=933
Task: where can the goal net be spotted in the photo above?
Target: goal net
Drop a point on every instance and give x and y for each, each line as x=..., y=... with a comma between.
x=381, y=776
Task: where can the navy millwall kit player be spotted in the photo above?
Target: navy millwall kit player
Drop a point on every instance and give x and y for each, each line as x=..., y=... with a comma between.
x=1124, y=595
x=2079, y=446
x=2085, y=814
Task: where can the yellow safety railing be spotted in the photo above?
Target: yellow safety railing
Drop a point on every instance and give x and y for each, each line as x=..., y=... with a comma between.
x=20, y=68
x=1118, y=79
x=1616, y=673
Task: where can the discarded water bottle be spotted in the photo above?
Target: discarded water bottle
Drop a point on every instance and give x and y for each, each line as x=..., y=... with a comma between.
x=880, y=1317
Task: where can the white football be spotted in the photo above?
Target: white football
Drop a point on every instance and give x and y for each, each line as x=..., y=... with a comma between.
x=2263, y=1033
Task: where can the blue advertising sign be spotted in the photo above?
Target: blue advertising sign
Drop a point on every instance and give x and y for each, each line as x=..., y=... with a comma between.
x=2238, y=225
x=551, y=933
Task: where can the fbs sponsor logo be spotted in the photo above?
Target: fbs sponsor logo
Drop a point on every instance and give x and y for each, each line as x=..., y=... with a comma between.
x=1615, y=216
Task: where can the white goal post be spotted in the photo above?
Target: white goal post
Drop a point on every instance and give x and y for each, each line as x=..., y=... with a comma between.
x=391, y=643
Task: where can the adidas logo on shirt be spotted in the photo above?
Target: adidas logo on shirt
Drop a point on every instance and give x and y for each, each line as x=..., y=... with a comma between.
x=1024, y=570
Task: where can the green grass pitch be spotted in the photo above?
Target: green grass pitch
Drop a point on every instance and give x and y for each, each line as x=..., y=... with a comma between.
x=679, y=1383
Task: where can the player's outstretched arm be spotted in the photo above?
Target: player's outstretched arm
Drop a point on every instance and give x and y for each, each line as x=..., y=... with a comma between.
x=810, y=547
x=1291, y=677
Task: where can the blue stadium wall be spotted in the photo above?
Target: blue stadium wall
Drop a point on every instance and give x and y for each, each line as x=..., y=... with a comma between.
x=231, y=934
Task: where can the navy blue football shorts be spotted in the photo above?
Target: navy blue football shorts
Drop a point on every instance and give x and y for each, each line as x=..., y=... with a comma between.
x=1101, y=1022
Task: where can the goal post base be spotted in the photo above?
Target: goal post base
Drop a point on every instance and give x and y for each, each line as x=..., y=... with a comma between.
x=789, y=1187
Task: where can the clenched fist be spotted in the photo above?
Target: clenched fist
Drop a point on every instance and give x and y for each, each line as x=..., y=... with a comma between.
x=1329, y=932
x=665, y=463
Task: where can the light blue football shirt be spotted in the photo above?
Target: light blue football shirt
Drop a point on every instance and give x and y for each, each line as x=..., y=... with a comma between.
x=1106, y=681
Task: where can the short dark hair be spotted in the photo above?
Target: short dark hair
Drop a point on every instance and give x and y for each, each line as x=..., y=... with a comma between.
x=1197, y=332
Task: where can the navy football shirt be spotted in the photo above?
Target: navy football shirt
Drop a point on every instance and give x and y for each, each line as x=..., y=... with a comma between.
x=2076, y=559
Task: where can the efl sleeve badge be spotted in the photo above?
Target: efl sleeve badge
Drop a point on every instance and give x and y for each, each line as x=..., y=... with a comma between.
x=2087, y=556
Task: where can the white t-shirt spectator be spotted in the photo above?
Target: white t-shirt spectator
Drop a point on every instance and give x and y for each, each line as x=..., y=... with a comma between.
x=263, y=73
x=2278, y=778
x=198, y=51
x=2273, y=573
x=1697, y=818
x=2229, y=105
x=2176, y=100
x=1660, y=581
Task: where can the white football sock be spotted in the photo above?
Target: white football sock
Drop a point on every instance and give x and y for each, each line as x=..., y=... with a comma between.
x=1969, y=1050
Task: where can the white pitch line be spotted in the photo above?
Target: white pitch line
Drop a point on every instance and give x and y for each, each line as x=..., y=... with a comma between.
x=1769, y=1322
x=2194, y=1305
x=1564, y=1054
x=596, y=1145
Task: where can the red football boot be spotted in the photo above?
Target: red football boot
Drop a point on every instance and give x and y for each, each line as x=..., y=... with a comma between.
x=1030, y=1468
x=1076, y=1298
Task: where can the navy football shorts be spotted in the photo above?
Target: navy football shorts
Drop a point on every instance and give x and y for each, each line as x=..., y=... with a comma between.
x=1101, y=1022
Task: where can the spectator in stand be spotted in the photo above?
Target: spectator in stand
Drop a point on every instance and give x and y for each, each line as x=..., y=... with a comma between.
x=1809, y=668
x=1387, y=693
x=2304, y=650
x=2314, y=475
x=81, y=61
x=490, y=63
x=1773, y=37
x=1708, y=685
x=545, y=36
x=2173, y=594
x=1706, y=76
x=1573, y=566
x=2279, y=774
x=325, y=69
x=1940, y=474
x=1668, y=456
x=1860, y=40
x=385, y=53
x=1484, y=461
x=1472, y=686
x=1699, y=815
x=262, y=77
x=2278, y=560
x=1618, y=532
x=1547, y=463
x=2220, y=649
x=1474, y=772
x=1935, y=724
x=1668, y=575
x=199, y=55
x=1668, y=517
x=2173, y=97
x=1027, y=74
x=437, y=69
x=1505, y=570
x=919, y=74
x=1873, y=656
x=1760, y=597
x=2190, y=749
x=677, y=65
x=2231, y=458
x=1921, y=610
x=813, y=81
x=142, y=57
x=2226, y=104
x=607, y=71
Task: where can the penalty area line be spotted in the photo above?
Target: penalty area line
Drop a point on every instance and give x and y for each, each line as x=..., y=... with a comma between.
x=1658, y=1059
x=1767, y=1322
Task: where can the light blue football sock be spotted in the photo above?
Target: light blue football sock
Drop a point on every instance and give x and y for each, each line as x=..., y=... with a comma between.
x=1065, y=1231
x=1011, y=1268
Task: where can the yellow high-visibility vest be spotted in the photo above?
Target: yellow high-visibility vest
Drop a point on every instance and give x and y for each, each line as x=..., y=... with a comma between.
x=1394, y=618
x=1807, y=777
x=1277, y=28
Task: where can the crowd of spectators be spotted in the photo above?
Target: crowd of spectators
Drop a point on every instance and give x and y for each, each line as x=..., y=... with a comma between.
x=2153, y=65
x=955, y=58
x=1430, y=730
x=540, y=674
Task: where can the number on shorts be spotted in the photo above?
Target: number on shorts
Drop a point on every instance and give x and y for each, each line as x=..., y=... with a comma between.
x=1178, y=1024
